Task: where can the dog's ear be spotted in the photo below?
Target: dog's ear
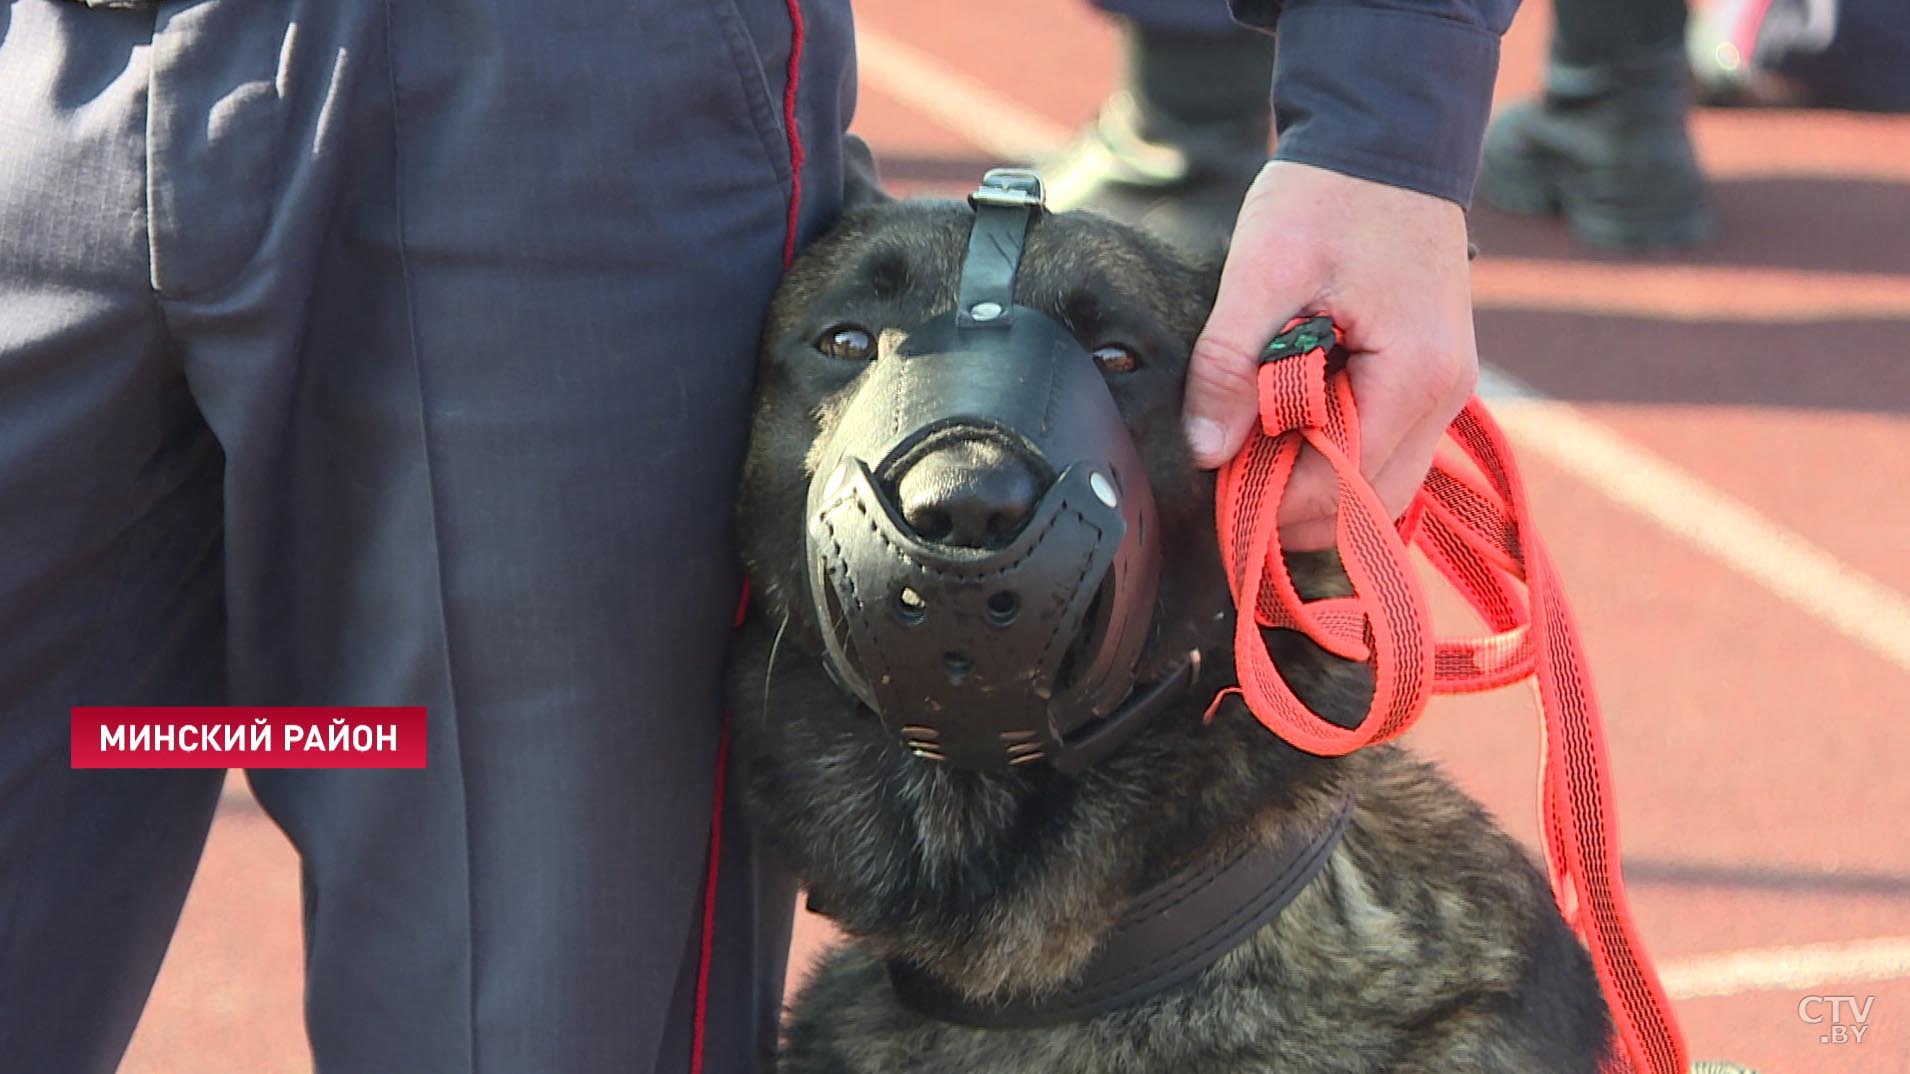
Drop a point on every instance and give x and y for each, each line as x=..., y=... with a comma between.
x=861, y=185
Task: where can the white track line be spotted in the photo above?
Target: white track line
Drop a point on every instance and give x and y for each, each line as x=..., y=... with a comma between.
x=1735, y=144
x=1855, y=605
x=1784, y=969
x=996, y=124
x=1688, y=292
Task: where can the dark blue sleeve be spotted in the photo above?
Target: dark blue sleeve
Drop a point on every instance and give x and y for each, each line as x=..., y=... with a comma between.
x=1396, y=91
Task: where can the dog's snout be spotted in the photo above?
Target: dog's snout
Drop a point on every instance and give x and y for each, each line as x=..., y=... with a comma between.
x=968, y=493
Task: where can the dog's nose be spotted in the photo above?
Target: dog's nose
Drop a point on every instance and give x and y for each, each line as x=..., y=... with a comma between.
x=968, y=493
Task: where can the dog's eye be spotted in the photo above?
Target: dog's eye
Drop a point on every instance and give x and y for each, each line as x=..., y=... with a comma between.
x=1114, y=358
x=849, y=342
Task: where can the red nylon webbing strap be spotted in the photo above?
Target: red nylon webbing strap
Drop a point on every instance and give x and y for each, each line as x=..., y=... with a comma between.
x=1476, y=531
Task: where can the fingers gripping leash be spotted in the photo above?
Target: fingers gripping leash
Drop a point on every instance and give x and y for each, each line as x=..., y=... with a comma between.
x=1477, y=532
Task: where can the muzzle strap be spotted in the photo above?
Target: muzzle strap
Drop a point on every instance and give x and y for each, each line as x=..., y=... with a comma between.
x=1007, y=200
x=1476, y=531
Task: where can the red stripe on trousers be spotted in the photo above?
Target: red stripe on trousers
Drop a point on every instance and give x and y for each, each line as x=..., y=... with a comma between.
x=700, y=1026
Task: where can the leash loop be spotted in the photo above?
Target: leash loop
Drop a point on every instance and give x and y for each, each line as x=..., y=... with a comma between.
x=1385, y=625
x=1470, y=520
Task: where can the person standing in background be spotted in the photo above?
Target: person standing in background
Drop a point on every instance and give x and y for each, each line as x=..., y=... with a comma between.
x=1178, y=142
x=1607, y=144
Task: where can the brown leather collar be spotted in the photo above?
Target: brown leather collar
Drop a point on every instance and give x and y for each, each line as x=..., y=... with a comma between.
x=1169, y=933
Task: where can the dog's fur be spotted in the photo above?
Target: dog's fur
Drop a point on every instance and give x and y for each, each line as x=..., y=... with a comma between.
x=1429, y=943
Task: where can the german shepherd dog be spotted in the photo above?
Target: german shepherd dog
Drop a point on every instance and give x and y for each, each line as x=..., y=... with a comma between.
x=1427, y=944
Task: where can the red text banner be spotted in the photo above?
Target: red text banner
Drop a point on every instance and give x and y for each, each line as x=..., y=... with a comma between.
x=242, y=737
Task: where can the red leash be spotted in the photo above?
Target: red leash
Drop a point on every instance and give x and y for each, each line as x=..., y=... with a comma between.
x=1479, y=535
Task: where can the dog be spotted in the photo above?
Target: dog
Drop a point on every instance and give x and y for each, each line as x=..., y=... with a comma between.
x=1427, y=942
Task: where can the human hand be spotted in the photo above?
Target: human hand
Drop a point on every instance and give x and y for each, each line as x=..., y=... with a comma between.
x=1389, y=266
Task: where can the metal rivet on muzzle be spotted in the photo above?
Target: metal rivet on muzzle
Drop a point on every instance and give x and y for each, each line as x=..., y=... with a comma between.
x=835, y=481
x=1003, y=607
x=1103, y=489
x=910, y=607
x=985, y=311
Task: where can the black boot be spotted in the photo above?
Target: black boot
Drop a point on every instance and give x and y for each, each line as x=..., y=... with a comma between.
x=1174, y=150
x=1606, y=146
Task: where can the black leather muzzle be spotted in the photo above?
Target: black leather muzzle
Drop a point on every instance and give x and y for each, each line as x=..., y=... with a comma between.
x=982, y=539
